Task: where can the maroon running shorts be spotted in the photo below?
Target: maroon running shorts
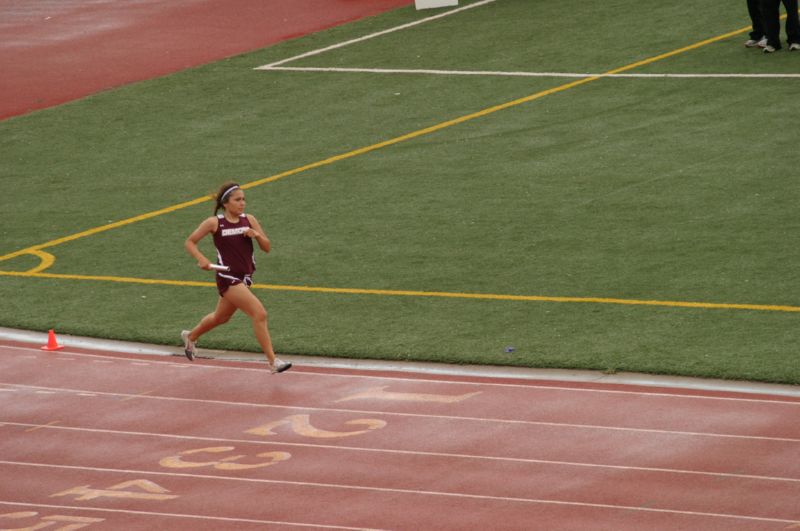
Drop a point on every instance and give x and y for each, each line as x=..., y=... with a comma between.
x=231, y=279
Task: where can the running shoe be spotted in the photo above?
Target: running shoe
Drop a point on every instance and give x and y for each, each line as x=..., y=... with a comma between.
x=279, y=366
x=753, y=43
x=770, y=49
x=795, y=46
x=188, y=345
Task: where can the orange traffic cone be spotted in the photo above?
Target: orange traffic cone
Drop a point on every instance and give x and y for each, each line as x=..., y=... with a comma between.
x=52, y=343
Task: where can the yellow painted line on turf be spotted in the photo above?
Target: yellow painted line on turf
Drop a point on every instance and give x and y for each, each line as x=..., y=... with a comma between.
x=532, y=298
x=432, y=294
x=418, y=133
x=35, y=248
x=47, y=260
x=373, y=147
x=679, y=51
x=105, y=278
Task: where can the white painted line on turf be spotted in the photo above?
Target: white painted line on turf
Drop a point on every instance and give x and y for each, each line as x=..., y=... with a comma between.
x=504, y=499
x=417, y=453
x=521, y=74
x=84, y=508
x=374, y=35
x=129, y=396
x=766, y=389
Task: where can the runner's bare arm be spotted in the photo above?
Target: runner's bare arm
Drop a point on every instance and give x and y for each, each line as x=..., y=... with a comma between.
x=208, y=225
x=258, y=234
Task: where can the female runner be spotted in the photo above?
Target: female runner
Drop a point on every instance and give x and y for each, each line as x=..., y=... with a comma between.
x=233, y=233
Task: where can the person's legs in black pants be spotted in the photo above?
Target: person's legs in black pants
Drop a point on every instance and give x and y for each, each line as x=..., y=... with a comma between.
x=754, y=10
x=792, y=22
x=770, y=9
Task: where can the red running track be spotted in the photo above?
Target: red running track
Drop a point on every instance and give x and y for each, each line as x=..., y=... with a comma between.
x=114, y=441
x=53, y=51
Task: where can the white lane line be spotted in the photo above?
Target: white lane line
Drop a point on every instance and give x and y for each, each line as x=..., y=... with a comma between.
x=129, y=396
x=298, y=374
x=415, y=453
x=374, y=35
x=490, y=73
x=35, y=427
x=175, y=515
x=504, y=499
x=569, y=389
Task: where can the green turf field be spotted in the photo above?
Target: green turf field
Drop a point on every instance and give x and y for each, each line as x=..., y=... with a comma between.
x=622, y=224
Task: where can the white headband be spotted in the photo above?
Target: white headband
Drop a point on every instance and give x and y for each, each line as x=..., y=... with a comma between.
x=229, y=190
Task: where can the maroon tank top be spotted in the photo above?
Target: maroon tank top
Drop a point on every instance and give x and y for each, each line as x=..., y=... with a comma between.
x=234, y=249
